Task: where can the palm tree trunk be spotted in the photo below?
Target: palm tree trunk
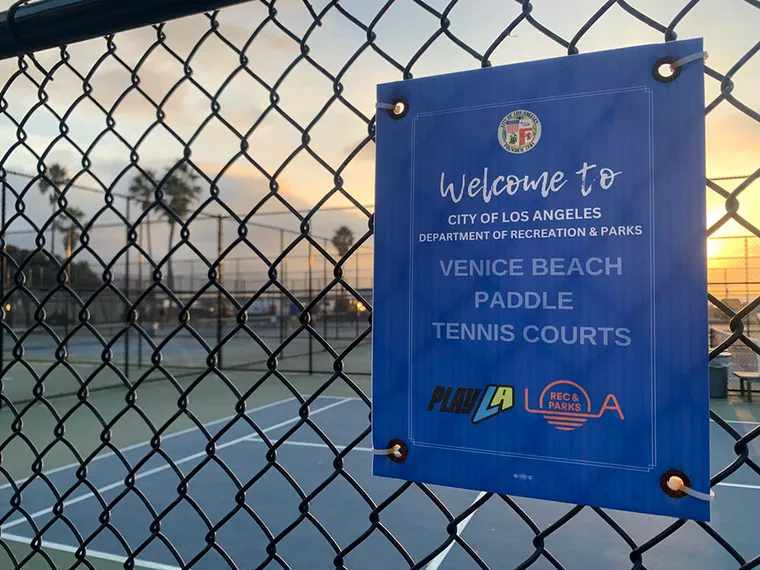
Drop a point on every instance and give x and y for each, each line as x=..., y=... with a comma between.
x=150, y=243
x=52, y=240
x=151, y=303
x=170, y=272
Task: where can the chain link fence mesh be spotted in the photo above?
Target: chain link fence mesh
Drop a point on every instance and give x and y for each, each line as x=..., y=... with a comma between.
x=170, y=196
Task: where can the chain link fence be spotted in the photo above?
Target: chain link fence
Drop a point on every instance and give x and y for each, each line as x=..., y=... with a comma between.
x=187, y=236
x=339, y=316
x=734, y=278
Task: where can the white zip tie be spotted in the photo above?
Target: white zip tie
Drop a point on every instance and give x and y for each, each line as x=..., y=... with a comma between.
x=395, y=451
x=389, y=106
x=688, y=59
x=675, y=483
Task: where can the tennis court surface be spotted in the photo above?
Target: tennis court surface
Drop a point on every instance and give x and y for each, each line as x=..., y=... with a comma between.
x=273, y=491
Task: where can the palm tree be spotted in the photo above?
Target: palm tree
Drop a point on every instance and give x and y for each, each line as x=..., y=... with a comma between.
x=180, y=192
x=59, y=177
x=343, y=239
x=68, y=228
x=143, y=190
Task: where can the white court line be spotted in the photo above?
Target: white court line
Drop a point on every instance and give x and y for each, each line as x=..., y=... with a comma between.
x=739, y=486
x=141, y=444
x=120, y=483
x=172, y=435
x=255, y=438
x=432, y=565
x=436, y=562
x=91, y=553
x=738, y=422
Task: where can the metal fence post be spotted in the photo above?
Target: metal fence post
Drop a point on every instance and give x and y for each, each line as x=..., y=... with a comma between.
x=356, y=313
x=283, y=281
x=141, y=288
x=220, y=283
x=337, y=313
x=746, y=281
x=324, y=299
x=67, y=300
x=3, y=253
x=311, y=296
x=126, y=294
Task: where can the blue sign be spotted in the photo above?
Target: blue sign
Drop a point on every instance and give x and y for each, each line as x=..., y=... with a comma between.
x=540, y=310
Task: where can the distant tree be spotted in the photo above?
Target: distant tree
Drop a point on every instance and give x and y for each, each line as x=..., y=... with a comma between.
x=68, y=228
x=59, y=177
x=143, y=190
x=343, y=239
x=181, y=190
x=40, y=275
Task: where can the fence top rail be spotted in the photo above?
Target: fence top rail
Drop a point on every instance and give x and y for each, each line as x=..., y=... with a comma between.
x=47, y=24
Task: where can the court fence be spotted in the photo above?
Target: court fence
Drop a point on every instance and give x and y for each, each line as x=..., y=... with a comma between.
x=269, y=106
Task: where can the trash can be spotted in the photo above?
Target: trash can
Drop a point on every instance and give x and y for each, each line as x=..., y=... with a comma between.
x=719, y=370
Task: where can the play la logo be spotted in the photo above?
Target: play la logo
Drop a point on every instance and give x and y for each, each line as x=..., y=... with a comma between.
x=567, y=406
x=480, y=404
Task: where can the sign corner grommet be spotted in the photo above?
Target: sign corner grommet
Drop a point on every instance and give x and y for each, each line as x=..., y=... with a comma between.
x=667, y=60
x=401, y=454
x=670, y=492
x=400, y=108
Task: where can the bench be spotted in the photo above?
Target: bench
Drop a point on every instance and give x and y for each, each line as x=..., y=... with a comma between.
x=748, y=378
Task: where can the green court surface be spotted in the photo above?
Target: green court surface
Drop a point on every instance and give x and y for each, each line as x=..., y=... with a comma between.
x=179, y=397
x=115, y=360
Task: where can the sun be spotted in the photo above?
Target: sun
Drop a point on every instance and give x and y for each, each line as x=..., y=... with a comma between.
x=713, y=248
x=719, y=253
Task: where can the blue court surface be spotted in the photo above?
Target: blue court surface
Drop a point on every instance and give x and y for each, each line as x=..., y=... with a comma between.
x=250, y=506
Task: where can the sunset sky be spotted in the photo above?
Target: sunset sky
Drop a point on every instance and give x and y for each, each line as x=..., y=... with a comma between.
x=733, y=138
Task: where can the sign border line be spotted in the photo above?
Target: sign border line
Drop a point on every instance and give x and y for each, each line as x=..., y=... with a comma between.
x=653, y=383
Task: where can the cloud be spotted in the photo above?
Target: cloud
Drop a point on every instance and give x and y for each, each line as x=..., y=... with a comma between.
x=366, y=154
